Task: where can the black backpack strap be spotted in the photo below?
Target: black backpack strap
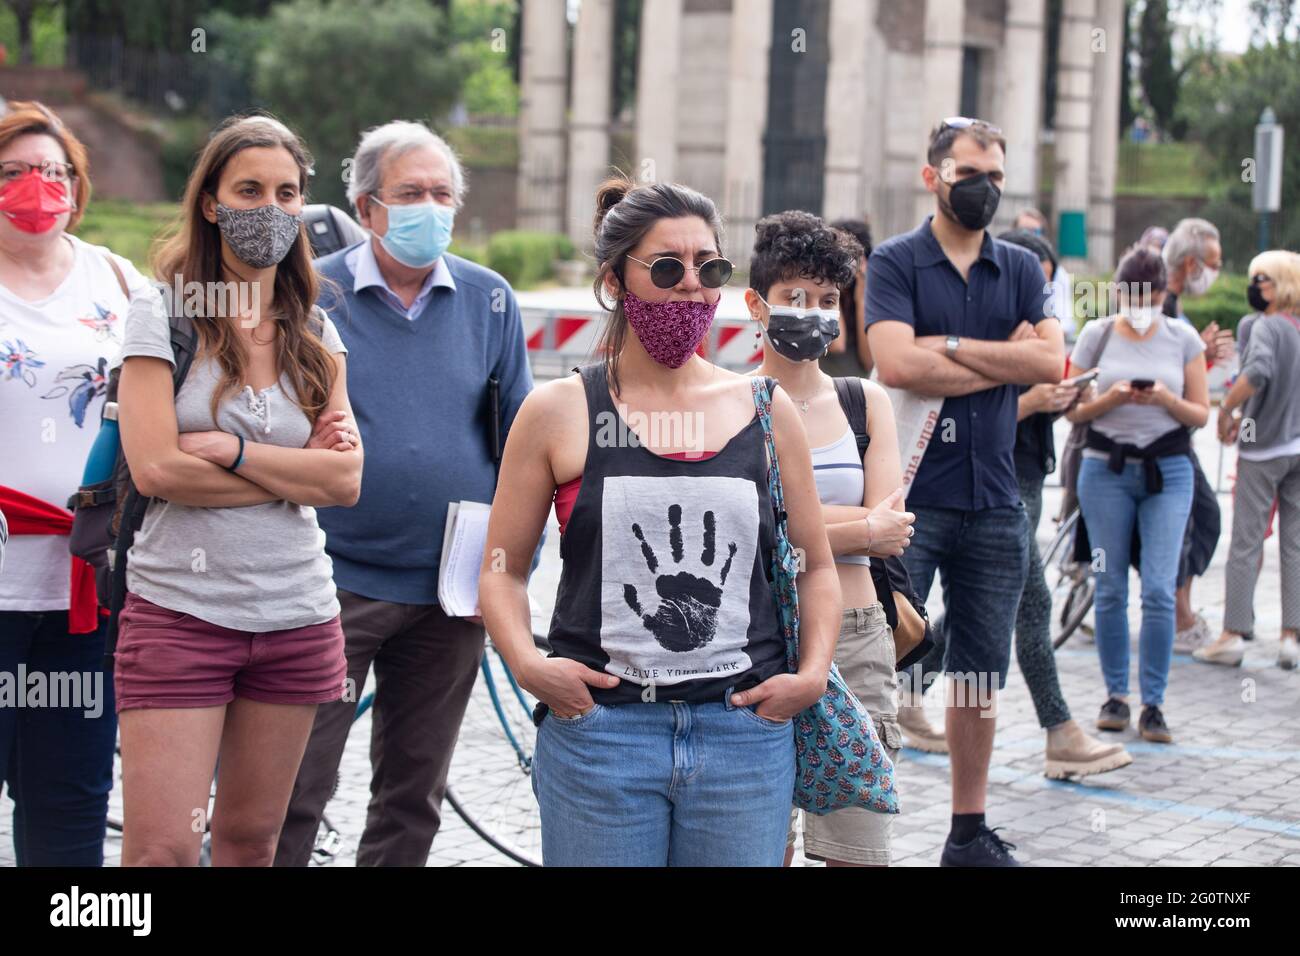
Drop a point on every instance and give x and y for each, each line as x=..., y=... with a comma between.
x=184, y=342
x=184, y=337
x=848, y=388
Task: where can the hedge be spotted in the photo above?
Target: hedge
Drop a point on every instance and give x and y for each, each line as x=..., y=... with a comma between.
x=1225, y=303
x=527, y=258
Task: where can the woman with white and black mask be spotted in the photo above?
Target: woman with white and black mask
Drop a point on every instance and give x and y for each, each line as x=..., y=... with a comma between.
x=796, y=274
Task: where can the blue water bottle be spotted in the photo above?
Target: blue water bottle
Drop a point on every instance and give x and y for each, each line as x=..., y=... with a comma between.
x=103, y=453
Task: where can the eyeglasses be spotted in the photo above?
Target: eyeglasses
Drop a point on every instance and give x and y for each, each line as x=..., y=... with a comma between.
x=666, y=272
x=966, y=122
x=1259, y=279
x=50, y=169
x=410, y=195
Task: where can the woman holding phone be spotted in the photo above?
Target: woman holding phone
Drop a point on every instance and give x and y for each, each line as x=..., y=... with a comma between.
x=1136, y=472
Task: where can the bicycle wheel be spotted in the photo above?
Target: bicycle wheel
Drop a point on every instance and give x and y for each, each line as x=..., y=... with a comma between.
x=1077, y=605
x=1069, y=582
x=490, y=782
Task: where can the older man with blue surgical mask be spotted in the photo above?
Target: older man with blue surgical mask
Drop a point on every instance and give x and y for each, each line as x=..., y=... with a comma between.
x=425, y=331
x=1194, y=257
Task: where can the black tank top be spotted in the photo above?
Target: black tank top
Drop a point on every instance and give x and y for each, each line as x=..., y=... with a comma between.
x=665, y=577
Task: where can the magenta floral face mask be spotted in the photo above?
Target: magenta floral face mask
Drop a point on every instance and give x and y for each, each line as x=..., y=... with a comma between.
x=669, y=331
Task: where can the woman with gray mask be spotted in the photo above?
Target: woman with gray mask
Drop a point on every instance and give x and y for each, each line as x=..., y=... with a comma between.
x=230, y=634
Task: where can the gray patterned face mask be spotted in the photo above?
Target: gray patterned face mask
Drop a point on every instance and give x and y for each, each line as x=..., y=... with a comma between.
x=260, y=237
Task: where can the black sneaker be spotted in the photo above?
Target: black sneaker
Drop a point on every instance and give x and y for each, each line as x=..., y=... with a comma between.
x=1114, y=715
x=1152, y=726
x=987, y=849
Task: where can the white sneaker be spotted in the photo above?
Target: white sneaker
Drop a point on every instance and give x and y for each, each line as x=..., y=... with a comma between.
x=1288, y=655
x=1229, y=653
x=1188, y=640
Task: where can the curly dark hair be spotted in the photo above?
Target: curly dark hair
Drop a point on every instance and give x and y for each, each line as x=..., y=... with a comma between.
x=798, y=244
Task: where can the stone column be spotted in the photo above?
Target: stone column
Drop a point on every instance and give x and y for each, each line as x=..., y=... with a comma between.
x=1104, y=153
x=656, y=91
x=851, y=25
x=748, y=60
x=941, y=95
x=541, y=117
x=593, y=58
x=1022, y=96
x=1073, y=131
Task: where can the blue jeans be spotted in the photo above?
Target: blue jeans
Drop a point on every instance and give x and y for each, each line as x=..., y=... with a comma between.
x=57, y=762
x=664, y=784
x=1112, y=503
x=982, y=563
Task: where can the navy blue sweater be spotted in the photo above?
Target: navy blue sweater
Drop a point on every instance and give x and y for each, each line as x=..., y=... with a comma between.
x=419, y=390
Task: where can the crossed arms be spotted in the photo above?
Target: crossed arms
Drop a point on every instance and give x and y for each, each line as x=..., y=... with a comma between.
x=187, y=469
x=1033, y=354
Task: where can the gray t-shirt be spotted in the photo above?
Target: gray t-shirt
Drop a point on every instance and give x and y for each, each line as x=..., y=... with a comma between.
x=1162, y=357
x=257, y=568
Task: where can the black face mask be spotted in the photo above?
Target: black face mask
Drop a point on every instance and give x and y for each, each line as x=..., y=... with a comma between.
x=972, y=202
x=1256, y=298
x=802, y=339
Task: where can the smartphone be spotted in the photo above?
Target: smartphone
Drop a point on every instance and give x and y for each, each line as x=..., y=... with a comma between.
x=1082, y=381
x=1142, y=384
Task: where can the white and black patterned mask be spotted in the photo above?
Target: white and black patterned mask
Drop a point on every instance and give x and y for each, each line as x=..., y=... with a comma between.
x=260, y=237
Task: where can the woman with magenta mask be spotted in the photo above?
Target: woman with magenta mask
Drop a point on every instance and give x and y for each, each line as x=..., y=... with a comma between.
x=664, y=729
x=62, y=306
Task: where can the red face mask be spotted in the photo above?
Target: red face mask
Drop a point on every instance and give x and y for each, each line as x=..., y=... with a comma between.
x=33, y=203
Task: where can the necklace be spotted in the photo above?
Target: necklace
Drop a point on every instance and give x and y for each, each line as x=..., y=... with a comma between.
x=803, y=402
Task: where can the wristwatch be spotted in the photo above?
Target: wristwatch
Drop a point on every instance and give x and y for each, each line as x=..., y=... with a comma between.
x=951, y=345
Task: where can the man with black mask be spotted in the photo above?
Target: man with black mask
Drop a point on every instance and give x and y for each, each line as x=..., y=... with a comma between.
x=956, y=314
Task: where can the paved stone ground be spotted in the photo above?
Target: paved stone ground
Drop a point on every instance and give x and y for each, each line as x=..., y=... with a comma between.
x=1224, y=794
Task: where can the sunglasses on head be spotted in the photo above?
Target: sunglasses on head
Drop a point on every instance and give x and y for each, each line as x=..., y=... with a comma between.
x=666, y=271
x=966, y=122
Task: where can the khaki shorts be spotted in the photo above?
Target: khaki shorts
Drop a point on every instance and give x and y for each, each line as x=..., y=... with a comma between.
x=865, y=655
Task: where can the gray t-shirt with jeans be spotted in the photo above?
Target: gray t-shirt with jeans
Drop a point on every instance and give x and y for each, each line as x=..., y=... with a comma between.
x=1161, y=357
x=256, y=568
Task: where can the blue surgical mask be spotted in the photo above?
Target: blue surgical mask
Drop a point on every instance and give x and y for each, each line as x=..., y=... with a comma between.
x=418, y=234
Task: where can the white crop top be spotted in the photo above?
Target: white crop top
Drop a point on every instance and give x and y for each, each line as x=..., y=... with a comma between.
x=837, y=469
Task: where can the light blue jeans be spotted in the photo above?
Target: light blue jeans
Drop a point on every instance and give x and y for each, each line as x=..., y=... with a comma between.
x=1112, y=504
x=664, y=784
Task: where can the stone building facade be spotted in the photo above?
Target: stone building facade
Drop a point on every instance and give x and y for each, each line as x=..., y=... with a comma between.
x=824, y=105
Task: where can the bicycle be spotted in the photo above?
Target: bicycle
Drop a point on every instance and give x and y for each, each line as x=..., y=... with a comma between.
x=1070, y=581
x=489, y=784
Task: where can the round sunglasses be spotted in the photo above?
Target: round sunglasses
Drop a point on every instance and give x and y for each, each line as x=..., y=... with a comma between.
x=666, y=272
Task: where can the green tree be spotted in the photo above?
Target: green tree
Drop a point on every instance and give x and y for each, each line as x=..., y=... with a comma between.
x=483, y=30
x=334, y=69
x=1222, y=101
x=1160, y=78
x=25, y=12
x=1126, y=112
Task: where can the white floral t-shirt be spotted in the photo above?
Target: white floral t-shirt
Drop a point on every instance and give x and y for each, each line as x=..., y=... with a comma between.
x=54, y=359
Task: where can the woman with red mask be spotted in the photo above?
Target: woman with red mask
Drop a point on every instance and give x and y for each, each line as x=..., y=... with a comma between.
x=62, y=305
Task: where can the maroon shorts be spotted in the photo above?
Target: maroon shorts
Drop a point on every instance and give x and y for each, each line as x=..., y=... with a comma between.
x=171, y=659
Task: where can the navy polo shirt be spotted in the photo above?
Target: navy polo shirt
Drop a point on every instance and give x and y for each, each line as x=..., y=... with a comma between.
x=911, y=279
